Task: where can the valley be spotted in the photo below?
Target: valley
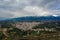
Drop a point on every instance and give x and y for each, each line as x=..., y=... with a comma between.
x=30, y=30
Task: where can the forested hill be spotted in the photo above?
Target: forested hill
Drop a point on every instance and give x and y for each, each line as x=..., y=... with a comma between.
x=35, y=18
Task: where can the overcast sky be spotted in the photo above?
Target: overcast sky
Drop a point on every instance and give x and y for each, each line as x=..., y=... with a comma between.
x=18, y=8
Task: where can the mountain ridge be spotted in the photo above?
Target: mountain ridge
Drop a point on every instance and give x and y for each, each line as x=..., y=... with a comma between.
x=35, y=18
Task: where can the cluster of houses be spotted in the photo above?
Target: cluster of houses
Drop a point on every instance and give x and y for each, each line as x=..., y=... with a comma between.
x=27, y=26
x=44, y=29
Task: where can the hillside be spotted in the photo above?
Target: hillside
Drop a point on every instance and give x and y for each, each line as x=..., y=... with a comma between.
x=37, y=19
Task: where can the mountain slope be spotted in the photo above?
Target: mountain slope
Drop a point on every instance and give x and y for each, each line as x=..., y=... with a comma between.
x=37, y=18
x=33, y=18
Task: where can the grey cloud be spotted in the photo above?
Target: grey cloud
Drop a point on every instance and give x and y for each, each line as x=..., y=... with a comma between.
x=23, y=3
x=12, y=7
x=4, y=14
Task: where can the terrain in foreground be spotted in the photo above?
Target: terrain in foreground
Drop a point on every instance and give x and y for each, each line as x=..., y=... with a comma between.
x=39, y=31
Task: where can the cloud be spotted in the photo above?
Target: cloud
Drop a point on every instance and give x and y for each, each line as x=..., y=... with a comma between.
x=37, y=10
x=18, y=8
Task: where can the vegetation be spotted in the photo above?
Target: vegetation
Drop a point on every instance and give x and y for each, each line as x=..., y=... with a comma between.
x=19, y=34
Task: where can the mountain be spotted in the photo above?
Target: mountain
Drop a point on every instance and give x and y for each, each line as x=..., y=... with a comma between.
x=35, y=18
